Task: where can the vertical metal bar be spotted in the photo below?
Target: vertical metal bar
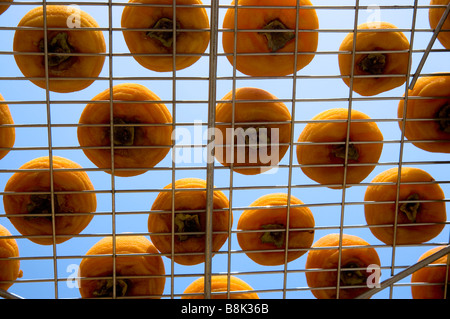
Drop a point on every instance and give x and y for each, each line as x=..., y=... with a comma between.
x=210, y=146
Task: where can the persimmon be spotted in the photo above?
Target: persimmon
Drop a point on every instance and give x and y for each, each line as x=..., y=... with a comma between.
x=429, y=282
x=261, y=51
x=264, y=230
x=136, y=142
x=222, y=287
x=9, y=268
x=29, y=194
x=260, y=126
x=376, y=66
x=73, y=51
x=189, y=221
x=139, y=269
x=434, y=16
x=158, y=35
x=4, y=7
x=323, y=148
x=420, y=201
x=322, y=264
x=427, y=123
x=7, y=134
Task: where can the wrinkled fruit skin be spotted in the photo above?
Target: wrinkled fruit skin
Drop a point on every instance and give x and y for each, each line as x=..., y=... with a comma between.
x=9, y=269
x=7, y=134
x=434, y=16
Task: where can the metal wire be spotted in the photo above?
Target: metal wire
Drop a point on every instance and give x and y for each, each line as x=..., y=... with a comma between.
x=215, y=173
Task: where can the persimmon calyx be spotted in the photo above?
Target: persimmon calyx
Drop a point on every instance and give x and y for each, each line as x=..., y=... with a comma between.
x=105, y=288
x=42, y=204
x=352, y=277
x=411, y=209
x=277, y=39
x=273, y=237
x=165, y=37
x=186, y=223
x=373, y=63
x=123, y=135
x=57, y=44
x=253, y=137
x=444, y=118
x=339, y=151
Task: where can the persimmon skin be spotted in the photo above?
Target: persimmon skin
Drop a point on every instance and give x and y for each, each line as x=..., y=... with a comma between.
x=89, y=42
x=396, y=63
x=320, y=257
x=430, y=274
x=76, y=207
x=7, y=134
x=142, y=259
x=5, y=7
x=434, y=16
x=189, y=43
x=256, y=218
x=258, y=106
x=331, y=127
x=219, y=283
x=432, y=209
x=420, y=107
x=280, y=64
x=134, y=104
x=9, y=269
x=189, y=195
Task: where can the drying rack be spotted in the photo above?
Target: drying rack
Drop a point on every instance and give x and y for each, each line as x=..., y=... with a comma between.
x=216, y=78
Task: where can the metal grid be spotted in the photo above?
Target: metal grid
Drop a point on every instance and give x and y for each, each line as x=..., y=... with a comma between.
x=191, y=95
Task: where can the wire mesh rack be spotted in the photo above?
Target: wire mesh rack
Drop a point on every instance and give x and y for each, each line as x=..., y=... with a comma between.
x=46, y=124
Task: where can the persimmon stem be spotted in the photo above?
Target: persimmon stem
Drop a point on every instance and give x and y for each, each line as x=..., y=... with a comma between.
x=253, y=137
x=273, y=237
x=42, y=204
x=411, y=209
x=57, y=44
x=352, y=277
x=277, y=40
x=444, y=118
x=165, y=37
x=373, y=63
x=105, y=288
x=123, y=135
x=339, y=151
x=186, y=223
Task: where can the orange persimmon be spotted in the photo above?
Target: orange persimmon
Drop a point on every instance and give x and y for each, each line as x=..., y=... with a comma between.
x=322, y=147
x=429, y=281
x=259, y=50
x=322, y=263
x=153, y=44
x=246, y=115
x=379, y=68
x=139, y=269
x=73, y=52
x=189, y=196
x=427, y=114
x=4, y=7
x=135, y=140
x=9, y=269
x=420, y=201
x=434, y=16
x=7, y=134
x=29, y=194
x=222, y=287
x=272, y=223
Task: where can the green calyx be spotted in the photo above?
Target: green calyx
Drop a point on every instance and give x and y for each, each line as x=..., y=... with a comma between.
x=443, y=116
x=276, y=238
x=57, y=44
x=277, y=40
x=373, y=63
x=123, y=135
x=352, y=277
x=165, y=37
x=42, y=204
x=411, y=209
x=186, y=223
x=339, y=151
x=105, y=288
